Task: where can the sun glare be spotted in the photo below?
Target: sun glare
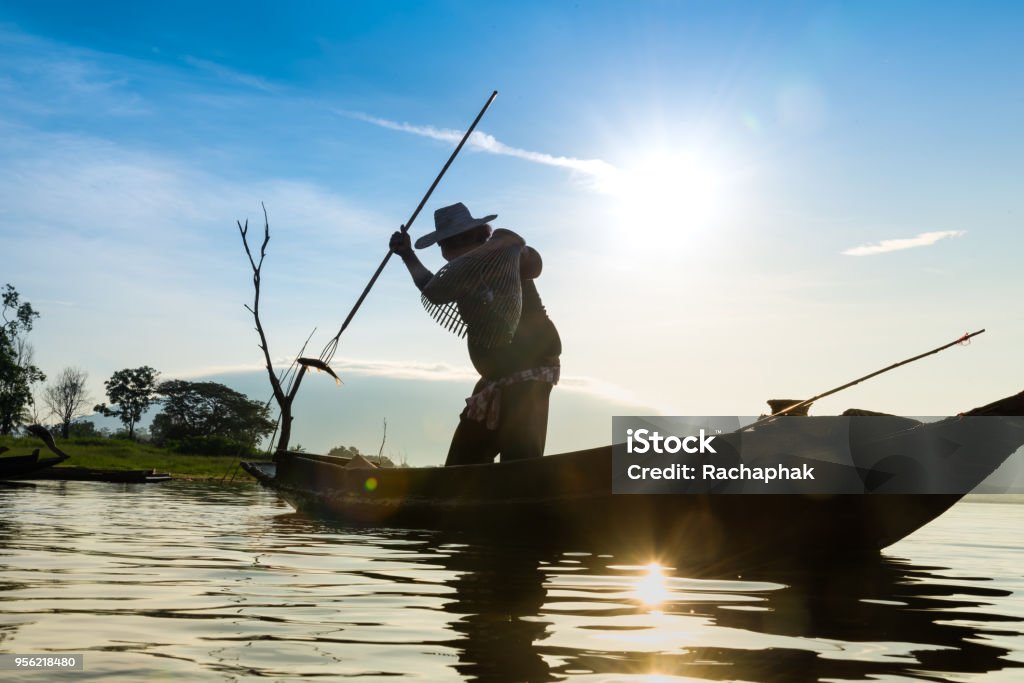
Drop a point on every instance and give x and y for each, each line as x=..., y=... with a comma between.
x=667, y=193
x=651, y=589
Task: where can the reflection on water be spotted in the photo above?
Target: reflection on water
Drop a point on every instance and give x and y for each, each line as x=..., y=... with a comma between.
x=210, y=583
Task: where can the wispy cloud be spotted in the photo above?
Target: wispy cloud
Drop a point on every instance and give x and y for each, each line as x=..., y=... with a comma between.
x=925, y=239
x=45, y=78
x=66, y=181
x=597, y=170
x=228, y=74
x=405, y=370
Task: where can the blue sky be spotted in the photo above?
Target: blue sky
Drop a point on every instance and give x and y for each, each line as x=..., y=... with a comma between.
x=735, y=201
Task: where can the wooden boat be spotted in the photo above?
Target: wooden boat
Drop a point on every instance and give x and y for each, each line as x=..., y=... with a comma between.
x=91, y=474
x=567, y=499
x=18, y=466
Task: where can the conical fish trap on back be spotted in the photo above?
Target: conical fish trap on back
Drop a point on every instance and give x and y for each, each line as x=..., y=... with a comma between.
x=480, y=295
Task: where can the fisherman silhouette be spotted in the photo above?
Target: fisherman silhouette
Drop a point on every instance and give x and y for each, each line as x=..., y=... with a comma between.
x=487, y=293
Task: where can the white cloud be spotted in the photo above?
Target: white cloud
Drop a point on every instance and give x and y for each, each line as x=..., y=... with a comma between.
x=925, y=239
x=596, y=169
x=424, y=372
x=405, y=370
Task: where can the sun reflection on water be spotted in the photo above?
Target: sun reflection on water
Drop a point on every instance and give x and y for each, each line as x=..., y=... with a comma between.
x=651, y=589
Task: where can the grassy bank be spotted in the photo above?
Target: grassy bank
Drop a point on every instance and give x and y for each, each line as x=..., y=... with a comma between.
x=119, y=454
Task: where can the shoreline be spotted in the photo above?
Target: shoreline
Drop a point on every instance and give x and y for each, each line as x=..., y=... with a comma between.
x=121, y=454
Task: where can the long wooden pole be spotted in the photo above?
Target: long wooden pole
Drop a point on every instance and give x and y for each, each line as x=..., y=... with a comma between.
x=807, y=402
x=328, y=353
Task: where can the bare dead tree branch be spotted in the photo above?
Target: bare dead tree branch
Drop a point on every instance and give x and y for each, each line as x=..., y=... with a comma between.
x=257, y=274
x=284, y=399
x=284, y=379
x=67, y=397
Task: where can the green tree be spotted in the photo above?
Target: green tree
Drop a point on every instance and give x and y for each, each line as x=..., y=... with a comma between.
x=83, y=429
x=17, y=372
x=198, y=411
x=131, y=392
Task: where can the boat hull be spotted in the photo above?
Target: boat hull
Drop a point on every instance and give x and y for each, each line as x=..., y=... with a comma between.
x=696, y=526
x=19, y=466
x=567, y=500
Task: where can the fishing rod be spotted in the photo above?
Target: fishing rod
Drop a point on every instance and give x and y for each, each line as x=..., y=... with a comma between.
x=797, y=406
x=323, y=362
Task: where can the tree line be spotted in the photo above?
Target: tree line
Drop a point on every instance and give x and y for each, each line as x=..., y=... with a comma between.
x=195, y=417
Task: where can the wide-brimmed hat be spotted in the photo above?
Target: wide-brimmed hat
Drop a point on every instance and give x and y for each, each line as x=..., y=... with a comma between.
x=450, y=221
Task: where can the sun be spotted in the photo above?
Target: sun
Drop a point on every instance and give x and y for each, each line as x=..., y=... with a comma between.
x=667, y=194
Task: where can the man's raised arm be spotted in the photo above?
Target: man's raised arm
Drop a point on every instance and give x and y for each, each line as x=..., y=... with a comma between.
x=402, y=245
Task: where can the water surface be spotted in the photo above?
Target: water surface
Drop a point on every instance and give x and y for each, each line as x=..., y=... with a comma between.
x=205, y=583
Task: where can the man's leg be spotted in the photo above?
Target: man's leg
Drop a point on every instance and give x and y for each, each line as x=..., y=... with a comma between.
x=523, y=425
x=472, y=444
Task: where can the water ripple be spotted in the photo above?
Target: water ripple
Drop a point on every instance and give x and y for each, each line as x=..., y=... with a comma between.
x=226, y=584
